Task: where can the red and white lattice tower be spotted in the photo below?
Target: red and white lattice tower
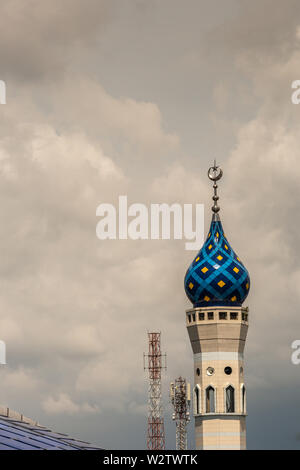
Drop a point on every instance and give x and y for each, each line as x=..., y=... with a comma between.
x=180, y=399
x=155, y=361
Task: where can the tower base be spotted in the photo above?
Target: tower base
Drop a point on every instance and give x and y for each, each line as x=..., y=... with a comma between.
x=220, y=432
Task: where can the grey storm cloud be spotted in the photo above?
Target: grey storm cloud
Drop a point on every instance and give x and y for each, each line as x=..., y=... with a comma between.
x=38, y=39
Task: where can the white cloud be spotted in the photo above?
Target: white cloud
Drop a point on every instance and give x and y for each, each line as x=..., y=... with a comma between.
x=63, y=404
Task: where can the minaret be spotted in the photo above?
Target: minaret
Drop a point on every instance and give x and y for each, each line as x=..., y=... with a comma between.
x=217, y=283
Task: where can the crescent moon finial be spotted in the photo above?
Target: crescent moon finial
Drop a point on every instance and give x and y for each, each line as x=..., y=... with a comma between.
x=215, y=173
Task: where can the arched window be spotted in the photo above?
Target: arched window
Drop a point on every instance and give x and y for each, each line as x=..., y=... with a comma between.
x=243, y=399
x=197, y=400
x=229, y=396
x=210, y=400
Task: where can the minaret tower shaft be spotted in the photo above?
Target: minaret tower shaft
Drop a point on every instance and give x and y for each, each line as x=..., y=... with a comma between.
x=217, y=283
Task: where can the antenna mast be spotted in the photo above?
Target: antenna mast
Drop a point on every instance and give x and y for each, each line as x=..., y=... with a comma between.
x=156, y=361
x=181, y=400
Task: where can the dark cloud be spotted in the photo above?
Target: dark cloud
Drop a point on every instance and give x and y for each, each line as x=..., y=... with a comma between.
x=259, y=30
x=38, y=40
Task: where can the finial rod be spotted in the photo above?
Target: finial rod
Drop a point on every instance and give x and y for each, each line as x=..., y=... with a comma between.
x=215, y=173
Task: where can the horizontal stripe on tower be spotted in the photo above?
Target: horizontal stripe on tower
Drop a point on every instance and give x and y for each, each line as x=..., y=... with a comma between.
x=219, y=356
x=224, y=434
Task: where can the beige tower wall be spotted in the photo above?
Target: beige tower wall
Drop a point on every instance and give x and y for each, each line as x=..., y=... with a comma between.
x=218, y=337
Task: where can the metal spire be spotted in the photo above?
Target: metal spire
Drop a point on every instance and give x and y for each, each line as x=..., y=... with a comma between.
x=215, y=173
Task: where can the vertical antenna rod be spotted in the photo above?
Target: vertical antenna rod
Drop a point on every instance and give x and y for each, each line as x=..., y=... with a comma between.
x=156, y=361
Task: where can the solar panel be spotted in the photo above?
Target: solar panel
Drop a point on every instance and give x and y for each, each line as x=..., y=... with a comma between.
x=28, y=440
x=35, y=437
x=19, y=435
x=4, y=447
x=17, y=444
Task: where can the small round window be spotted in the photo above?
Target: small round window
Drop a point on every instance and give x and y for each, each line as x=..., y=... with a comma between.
x=228, y=370
x=210, y=370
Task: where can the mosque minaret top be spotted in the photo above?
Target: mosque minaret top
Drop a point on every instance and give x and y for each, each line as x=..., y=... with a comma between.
x=217, y=276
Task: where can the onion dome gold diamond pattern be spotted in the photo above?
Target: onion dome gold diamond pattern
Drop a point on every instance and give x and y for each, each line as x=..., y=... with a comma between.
x=217, y=276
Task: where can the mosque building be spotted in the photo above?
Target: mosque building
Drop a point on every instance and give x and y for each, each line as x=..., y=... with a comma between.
x=217, y=284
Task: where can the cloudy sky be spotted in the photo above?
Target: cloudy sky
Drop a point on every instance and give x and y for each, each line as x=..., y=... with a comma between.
x=136, y=97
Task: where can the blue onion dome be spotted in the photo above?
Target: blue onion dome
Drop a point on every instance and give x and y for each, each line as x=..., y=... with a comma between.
x=217, y=276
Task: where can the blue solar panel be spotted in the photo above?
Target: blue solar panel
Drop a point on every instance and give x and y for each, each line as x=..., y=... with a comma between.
x=18, y=435
x=17, y=444
x=4, y=447
x=16, y=432
x=27, y=440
